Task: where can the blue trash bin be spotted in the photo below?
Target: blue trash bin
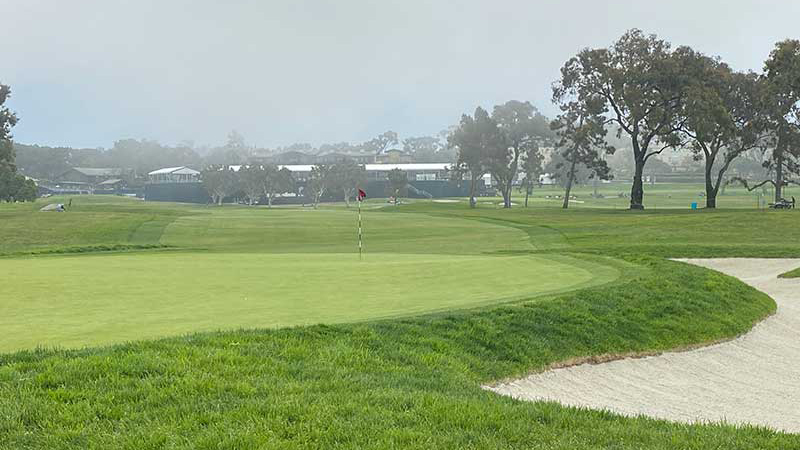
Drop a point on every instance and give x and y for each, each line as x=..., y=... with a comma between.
x=694, y=205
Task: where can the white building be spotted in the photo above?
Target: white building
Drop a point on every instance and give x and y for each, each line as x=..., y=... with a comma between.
x=174, y=175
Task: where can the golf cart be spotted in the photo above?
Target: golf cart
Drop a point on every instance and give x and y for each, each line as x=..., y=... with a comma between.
x=783, y=204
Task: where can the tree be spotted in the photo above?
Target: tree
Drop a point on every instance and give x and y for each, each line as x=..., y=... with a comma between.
x=276, y=181
x=319, y=182
x=234, y=151
x=723, y=118
x=22, y=190
x=582, y=132
x=640, y=80
x=398, y=183
x=13, y=186
x=782, y=114
x=348, y=177
x=531, y=168
x=429, y=148
x=220, y=182
x=43, y=162
x=143, y=156
x=518, y=129
x=381, y=143
x=7, y=121
x=470, y=140
x=251, y=179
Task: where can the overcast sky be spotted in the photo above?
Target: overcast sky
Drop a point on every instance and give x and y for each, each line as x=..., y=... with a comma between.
x=89, y=72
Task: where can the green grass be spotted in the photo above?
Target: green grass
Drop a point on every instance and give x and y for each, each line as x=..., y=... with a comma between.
x=409, y=382
x=667, y=233
x=52, y=302
x=298, y=230
x=656, y=197
x=791, y=274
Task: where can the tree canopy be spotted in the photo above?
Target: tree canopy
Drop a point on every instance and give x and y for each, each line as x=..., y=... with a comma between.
x=471, y=140
x=348, y=177
x=640, y=81
x=13, y=186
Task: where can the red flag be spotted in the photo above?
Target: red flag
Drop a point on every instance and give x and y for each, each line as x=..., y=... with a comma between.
x=361, y=195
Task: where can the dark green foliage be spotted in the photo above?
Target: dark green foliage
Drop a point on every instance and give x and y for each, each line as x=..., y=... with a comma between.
x=781, y=109
x=640, y=81
x=723, y=116
x=582, y=146
x=519, y=130
x=13, y=186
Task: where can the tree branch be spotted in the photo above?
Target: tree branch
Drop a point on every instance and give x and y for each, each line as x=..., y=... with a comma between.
x=752, y=188
x=656, y=152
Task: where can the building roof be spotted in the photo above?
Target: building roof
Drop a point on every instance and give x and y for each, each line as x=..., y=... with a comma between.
x=175, y=171
x=99, y=172
x=413, y=167
x=110, y=182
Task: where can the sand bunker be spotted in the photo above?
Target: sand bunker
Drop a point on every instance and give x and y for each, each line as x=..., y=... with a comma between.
x=754, y=379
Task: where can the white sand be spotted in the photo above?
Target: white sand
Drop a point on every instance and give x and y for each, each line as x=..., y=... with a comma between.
x=754, y=379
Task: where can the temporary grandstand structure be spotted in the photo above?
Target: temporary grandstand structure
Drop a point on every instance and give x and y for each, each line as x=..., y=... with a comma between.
x=174, y=175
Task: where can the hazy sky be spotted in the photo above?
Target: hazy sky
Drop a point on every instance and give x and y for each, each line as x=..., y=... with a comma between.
x=89, y=72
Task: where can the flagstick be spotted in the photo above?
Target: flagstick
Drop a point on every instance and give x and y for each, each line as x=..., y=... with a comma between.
x=359, y=228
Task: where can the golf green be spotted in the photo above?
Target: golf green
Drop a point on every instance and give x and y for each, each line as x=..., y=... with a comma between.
x=75, y=301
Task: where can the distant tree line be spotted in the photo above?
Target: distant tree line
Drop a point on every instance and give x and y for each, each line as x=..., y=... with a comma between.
x=255, y=182
x=144, y=156
x=14, y=187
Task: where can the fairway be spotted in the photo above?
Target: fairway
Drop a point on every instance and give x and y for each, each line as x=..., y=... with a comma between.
x=147, y=295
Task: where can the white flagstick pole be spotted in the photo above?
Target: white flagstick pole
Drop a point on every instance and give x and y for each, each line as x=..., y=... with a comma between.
x=359, y=227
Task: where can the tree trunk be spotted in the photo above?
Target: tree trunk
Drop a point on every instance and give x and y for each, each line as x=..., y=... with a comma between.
x=570, y=178
x=711, y=199
x=778, y=175
x=346, y=197
x=527, y=193
x=711, y=191
x=269, y=200
x=637, y=190
x=472, y=183
x=507, y=193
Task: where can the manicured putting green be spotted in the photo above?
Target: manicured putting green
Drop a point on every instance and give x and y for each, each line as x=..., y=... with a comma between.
x=74, y=301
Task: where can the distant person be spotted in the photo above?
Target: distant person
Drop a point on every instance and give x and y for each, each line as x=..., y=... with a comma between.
x=70, y=204
x=793, y=202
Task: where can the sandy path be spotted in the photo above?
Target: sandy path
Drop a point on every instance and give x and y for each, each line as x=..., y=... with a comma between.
x=754, y=379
